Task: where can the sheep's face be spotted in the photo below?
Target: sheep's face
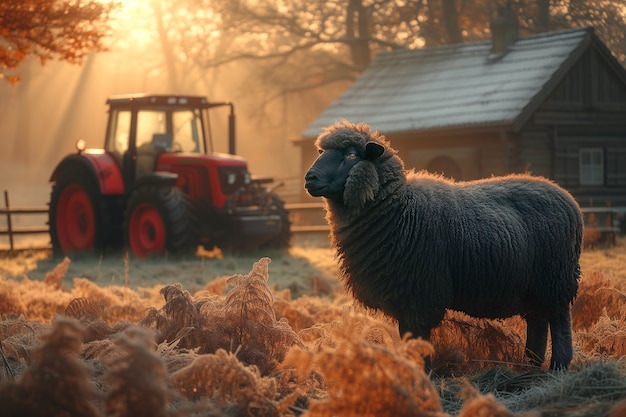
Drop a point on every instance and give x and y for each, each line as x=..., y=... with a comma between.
x=344, y=174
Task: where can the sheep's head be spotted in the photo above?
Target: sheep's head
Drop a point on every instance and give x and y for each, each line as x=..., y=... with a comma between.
x=345, y=171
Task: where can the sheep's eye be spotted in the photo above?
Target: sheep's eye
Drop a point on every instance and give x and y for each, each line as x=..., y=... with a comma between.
x=351, y=155
x=320, y=151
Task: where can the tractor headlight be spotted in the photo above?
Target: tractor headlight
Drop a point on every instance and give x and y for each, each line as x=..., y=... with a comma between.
x=80, y=145
x=246, y=178
x=231, y=178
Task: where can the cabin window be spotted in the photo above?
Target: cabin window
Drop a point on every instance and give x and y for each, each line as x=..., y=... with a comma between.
x=591, y=166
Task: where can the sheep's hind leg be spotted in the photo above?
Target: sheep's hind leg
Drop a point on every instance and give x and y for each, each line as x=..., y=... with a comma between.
x=561, y=334
x=536, y=339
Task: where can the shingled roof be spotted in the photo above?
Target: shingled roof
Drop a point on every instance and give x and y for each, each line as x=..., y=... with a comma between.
x=461, y=85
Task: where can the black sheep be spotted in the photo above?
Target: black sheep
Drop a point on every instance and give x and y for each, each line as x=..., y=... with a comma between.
x=414, y=244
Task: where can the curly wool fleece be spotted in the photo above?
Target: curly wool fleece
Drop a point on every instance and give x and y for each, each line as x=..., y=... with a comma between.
x=414, y=244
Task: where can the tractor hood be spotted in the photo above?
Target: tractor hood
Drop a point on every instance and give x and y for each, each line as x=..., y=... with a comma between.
x=166, y=160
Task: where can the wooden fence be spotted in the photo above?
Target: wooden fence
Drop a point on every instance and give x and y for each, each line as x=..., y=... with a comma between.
x=602, y=226
x=307, y=217
x=11, y=230
x=300, y=215
x=601, y=222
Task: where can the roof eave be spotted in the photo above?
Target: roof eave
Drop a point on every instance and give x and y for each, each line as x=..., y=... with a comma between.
x=456, y=129
x=532, y=106
x=433, y=131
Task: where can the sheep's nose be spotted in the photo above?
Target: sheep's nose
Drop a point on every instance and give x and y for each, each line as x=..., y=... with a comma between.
x=310, y=176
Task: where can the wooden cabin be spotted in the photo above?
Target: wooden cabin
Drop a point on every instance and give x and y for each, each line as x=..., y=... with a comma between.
x=552, y=104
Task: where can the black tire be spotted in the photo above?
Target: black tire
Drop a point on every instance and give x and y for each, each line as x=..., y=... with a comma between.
x=159, y=219
x=77, y=217
x=282, y=240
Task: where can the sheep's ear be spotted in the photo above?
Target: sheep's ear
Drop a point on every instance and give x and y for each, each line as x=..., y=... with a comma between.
x=373, y=150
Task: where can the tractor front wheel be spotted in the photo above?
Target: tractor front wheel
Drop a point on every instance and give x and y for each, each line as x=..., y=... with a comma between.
x=75, y=220
x=158, y=220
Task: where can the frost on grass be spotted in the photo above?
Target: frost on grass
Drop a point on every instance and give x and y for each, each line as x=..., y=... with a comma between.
x=92, y=351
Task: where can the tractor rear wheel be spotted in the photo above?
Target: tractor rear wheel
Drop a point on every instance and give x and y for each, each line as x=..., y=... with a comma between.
x=75, y=215
x=282, y=240
x=159, y=219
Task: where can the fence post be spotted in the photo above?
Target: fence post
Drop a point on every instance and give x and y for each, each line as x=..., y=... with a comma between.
x=9, y=226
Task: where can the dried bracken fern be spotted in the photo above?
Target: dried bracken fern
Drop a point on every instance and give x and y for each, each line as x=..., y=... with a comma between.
x=10, y=302
x=249, y=307
x=84, y=308
x=341, y=360
x=118, y=302
x=91, y=314
x=605, y=339
x=223, y=378
x=363, y=324
x=217, y=286
x=37, y=300
x=56, y=383
x=305, y=311
x=595, y=296
x=19, y=335
x=243, y=320
x=55, y=277
x=137, y=377
x=477, y=405
x=463, y=344
x=367, y=378
x=178, y=319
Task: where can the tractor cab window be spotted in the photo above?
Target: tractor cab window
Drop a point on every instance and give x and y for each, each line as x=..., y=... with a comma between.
x=151, y=138
x=187, y=128
x=170, y=130
x=152, y=129
x=118, y=133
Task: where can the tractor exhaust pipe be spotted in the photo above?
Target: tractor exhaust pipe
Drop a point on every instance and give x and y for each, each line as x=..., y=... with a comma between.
x=231, y=130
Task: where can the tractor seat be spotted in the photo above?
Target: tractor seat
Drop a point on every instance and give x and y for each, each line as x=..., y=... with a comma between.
x=146, y=159
x=162, y=141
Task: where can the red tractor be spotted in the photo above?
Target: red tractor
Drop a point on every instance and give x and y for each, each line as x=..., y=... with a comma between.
x=155, y=189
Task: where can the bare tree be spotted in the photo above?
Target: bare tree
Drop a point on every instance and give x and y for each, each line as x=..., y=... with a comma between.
x=324, y=42
x=302, y=46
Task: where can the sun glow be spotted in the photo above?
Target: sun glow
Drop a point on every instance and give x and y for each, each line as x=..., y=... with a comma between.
x=132, y=24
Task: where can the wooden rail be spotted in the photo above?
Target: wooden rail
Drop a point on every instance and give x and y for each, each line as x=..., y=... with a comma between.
x=600, y=220
x=298, y=208
x=601, y=226
x=11, y=230
x=304, y=206
x=601, y=223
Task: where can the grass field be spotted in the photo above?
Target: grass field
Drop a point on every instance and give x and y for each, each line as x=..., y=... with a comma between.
x=218, y=334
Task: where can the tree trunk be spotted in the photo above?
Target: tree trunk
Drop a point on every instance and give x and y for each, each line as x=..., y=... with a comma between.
x=358, y=33
x=543, y=15
x=168, y=55
x=451, y=21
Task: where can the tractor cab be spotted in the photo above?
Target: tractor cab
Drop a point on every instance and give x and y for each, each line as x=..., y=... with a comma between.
x=141, y=128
